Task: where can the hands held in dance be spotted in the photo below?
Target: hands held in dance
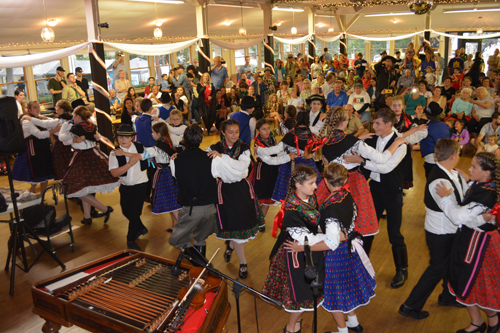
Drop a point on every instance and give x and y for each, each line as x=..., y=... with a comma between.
x=292, y=156
x=442, y=191
x=355, y=158
x=78, y=139
x=174, y=156
x=366, y=136
x=214, y=154
x=399, y=141
x=293, y=246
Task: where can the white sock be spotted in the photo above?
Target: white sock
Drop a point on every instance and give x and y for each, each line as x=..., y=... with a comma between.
x=352, y=321
x=343, y=330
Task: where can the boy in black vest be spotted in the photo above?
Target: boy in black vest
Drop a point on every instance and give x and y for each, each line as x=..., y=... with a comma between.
x=386, y=187
x=197, y=195
x=133, y=179
x=439, y=231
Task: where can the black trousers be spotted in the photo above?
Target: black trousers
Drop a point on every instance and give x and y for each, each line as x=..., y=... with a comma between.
x=392, y=202
x=131, y=201
x=151, y=175
x=439, y=263
x=474, y=126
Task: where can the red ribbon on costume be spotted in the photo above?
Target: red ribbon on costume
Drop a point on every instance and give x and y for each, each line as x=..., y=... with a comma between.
x=278, y=219
x=346, y=187
x=315, y=144
x=408, y=121
x=496, y=211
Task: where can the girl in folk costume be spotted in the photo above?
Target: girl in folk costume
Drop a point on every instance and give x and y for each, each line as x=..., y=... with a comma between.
x=349, y=275
x=34, y=165
x=238, y=212
x=176, y=129
x=300, y=141
x=88, y=170
x=265, y=172
x=289, y=122
x=61, y=152
x=473, y=276
x=298, y=219
x=339, y=144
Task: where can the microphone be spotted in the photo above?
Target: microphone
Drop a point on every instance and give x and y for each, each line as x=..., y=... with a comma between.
x=309, y=272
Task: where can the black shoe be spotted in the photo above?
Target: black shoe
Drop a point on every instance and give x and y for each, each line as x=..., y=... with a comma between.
x=170, y=230
x=229, y=251
x=450, y=303
x=144, y=231
x=401, y=261
x=357, y=329
x=87, y=221
x=95, y=214
x=406, y=311
x=262, y=228
x=495, y=328
x=133, y=246
x=107, y=214
x=480, y=329
x=147, y=200
x=243, y=273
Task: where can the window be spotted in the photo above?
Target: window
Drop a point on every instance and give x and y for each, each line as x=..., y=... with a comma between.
x=83, y=61
x=296, y=50
x=286, y=50
x=377, y=48
x=162, y=66
x=319, y=47
x=401, y=45
x=139, y=70
x=488, y=46
x=109, y=59
x=355, y=46
x=277, y=53
x=262, y=55
x=333, y=48
x=43, y=73
x=12, y=79
x=184, y=57
x=239, y=57
x=216, y=51
x=254, y=56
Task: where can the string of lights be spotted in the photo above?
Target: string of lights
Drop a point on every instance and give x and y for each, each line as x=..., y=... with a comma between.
x=363, y=4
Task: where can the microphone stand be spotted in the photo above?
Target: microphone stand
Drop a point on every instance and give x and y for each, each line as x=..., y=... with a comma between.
x=237, y=288
x=311, y=274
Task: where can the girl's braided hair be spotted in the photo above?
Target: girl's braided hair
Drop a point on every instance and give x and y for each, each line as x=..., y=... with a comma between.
x=300, y=174
x=334, y=117
x=490, y=162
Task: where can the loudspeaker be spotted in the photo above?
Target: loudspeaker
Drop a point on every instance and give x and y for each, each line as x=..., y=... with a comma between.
x=11, y=131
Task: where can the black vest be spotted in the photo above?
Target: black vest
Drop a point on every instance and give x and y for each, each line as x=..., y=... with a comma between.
x=122, y=159
x=438, y=173
x=392, y=181
x=193, y=171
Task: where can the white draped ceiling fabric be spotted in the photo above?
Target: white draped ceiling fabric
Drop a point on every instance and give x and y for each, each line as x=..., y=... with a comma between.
x=161, y=49
x=236, y=45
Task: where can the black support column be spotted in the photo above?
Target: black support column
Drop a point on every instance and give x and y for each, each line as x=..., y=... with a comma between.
x=204, y=63
x=268, y=55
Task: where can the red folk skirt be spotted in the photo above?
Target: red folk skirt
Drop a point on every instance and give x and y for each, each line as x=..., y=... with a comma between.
x=366, y=222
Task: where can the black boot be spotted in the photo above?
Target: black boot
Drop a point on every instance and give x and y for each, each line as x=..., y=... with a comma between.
x=401, y=262
x=197, y=258
x=202, y=249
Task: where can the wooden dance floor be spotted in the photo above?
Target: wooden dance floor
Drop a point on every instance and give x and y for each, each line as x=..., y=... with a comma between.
x=98, y=240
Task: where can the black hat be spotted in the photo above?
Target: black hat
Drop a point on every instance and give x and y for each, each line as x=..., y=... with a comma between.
x=165, y=98
x=247, y=103
x=77, y=102
x=60, y=69
x=433, y=110
x=267, y=69
x=389, y=57
x=78, y=70
x=125, y=130
x=316, y=98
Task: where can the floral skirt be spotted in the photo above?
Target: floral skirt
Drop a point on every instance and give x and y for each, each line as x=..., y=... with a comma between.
x=88, y=173
x=347, y=283
x=165, y=192
x=62, y=156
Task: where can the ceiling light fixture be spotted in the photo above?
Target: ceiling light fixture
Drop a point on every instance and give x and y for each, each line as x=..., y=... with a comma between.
x=285, y=9
x=278, y=23
x=294, y=29
x=471, y=10
x=389, y=14
x=47, y=34
x=324, y=15
x=52, y=22
x=227, y=23
x=331, y=21
x=223, y=5
x=157, y=33
x=480, y=30
x=242, y=30
x=175, y=2
x=395, y=21
x=321, y=25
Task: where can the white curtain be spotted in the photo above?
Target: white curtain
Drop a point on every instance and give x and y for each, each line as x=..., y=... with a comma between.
x=300, y=40
x=40, y=58
x=328, y=40
x=381, y=39
x=466, y=37
x=236, y=45
x=152, y=50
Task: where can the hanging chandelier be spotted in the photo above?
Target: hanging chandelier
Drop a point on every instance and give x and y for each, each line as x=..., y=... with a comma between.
x=420, y=7
x=48, y=35
x=294, y=29
x=331, y=21
x=157, y=33
x=242, y=30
